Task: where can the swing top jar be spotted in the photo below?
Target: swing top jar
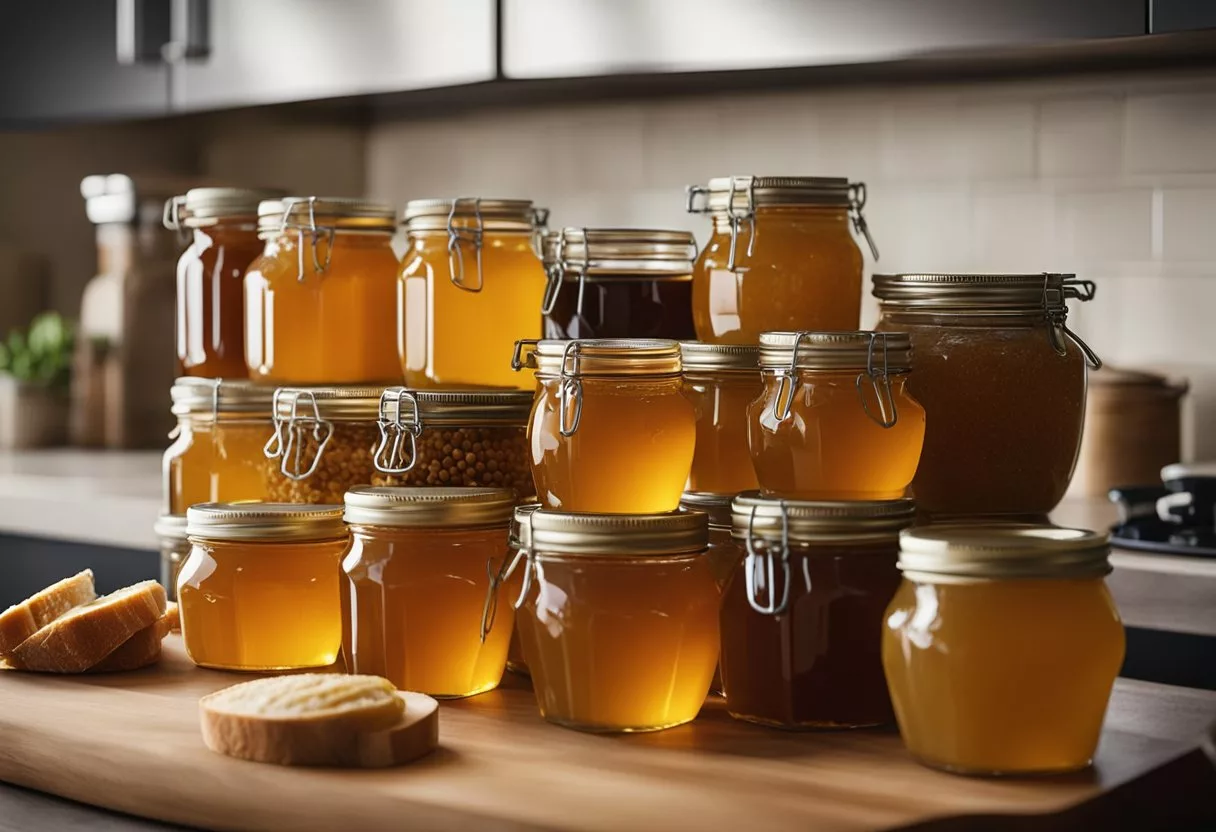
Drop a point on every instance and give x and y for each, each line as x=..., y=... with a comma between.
x=321, y=300
x=471, y=283
x=1001, y=647
x=611, y=431
x=835, y=420
x=222, y=228
x=1003, y=380
x=781, y=256
x=618, y=283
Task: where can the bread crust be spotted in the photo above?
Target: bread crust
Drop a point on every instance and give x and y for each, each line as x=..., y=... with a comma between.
x=21, y=621
x=141, y=649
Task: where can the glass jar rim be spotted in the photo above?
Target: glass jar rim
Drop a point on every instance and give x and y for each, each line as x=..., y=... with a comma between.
x=432, y=508
x=1003, y=551
x=698, y=357
x=819, y=523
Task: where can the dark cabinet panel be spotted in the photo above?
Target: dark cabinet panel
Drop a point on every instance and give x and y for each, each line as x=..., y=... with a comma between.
x=1181, y=15
x=565, y=38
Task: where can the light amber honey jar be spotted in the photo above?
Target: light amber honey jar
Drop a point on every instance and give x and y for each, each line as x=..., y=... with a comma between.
x=260, y=588
x=781, y=256
x=721, y=381
x=420, y=565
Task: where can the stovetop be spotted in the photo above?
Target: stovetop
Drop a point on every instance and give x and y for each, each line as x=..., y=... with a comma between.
x=1176, y=517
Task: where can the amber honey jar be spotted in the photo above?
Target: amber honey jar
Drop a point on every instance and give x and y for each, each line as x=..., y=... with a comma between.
x=1003, y=381
x=724, y=553
x=216, y=455
x=721, y=381
x=781, y=256
x=416, y=586
x=471, y=284
x=618, y=283
x=1001, y=647
x=223, y=235
x=617, y=617
x=170, y=529
x=835, y=420
x=321, y=300
x=260, y=588
x=611, y=431
x=802, y=614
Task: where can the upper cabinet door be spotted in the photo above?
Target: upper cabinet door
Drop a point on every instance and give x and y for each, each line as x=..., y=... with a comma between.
x=59, y=60
x=271, y=51
x=1181, y=15
x=571, y=38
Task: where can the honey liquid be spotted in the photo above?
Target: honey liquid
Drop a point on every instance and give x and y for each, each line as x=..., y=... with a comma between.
x=211, y=301
x=722, y=462
x=217, y=463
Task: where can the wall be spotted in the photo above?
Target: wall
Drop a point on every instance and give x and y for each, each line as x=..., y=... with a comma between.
x=1111, y=177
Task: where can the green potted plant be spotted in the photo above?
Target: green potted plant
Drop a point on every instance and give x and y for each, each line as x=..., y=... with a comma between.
x=35, y=370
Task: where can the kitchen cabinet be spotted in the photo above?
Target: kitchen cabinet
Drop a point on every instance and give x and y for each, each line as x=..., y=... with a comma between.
x=1181, y=15
x=273, y=51
x=59, y=60
x=573, y=38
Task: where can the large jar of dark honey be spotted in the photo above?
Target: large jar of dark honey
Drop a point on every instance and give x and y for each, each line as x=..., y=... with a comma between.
x=1002, y=381
x=781, y=256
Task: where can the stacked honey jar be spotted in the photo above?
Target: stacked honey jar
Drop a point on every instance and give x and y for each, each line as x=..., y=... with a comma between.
x=660, y=471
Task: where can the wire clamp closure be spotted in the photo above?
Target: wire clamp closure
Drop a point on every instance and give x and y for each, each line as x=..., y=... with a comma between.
x=1056, y=310
x=473, y=236
x=389, y=456
x=289, y=438
x=760, y=568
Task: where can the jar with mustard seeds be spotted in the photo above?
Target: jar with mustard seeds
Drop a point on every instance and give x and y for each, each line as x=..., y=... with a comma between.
x=781, y=256
x=611, y=431
x=802, y=613
x=618, y=283
x=617, y=617
x=221, y=224
x=321, y=300
x=419, y=567
x=260, y=589
x=1001, y=647
x=1003, y=380
x=835, y=420
x=721, y=381
x=471, y=283
x=216, y=455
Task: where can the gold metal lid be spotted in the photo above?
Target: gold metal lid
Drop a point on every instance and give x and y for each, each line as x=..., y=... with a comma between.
x=200, y=207
x=876, y=352
x=599, y=357
x=1002, y=551
x=699, y=357
x=265, y=522
x=366, y=403
x=770, y=519
x=219, y=397
x=716, y=506
x=430, y=507
x=480, y=213
x=346, y=403
x=743, y=194
x=323, y=215
x=642, y=253
x=170, y=527
x=613, y=535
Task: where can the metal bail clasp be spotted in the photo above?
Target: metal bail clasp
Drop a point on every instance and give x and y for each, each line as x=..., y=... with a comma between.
x=389, y=458
x=556, y=275
x=737, y=217
x=783, y=403
x=857, y=201
x=489, y=610
x=570, y=391
x=315, y=235
x=294, y=445
x=1056, y=310
x=518, y=362
x=171, y=217
x=880, y=380
x=540, y=226
x=472, y=235
x=768, y=603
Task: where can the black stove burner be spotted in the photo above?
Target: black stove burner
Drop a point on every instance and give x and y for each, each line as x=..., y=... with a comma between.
x=1189, y=503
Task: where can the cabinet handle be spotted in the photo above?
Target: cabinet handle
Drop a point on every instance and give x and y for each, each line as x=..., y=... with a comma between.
x=143, y=28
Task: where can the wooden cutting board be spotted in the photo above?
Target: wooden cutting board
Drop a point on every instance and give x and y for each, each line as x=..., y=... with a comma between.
x=130, y=742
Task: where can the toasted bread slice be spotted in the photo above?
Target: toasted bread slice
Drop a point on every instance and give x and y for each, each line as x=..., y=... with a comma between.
x=141, y=649
x=21, y=621
x=320, y=719
x=82, y=637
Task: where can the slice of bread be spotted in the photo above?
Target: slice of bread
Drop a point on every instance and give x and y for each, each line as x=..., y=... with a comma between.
x=317, y=719
x=21, y=621
x=141, y=649
x=82, y=637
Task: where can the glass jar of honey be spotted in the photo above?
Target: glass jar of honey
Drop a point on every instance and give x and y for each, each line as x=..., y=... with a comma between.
x=260, y=589
x=836, y=420
x=781, y=256
x=724, y=553
x=471, y=284
x=802, y=615
x=611, y=431
x=1001, y=647
x=1003, y=380
x=417, y=579
x=174, y=549
x=216, y=455
x=222, y=223
x=321, y=300
x=721, y=381
x=619, y=283
x=617, y=617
